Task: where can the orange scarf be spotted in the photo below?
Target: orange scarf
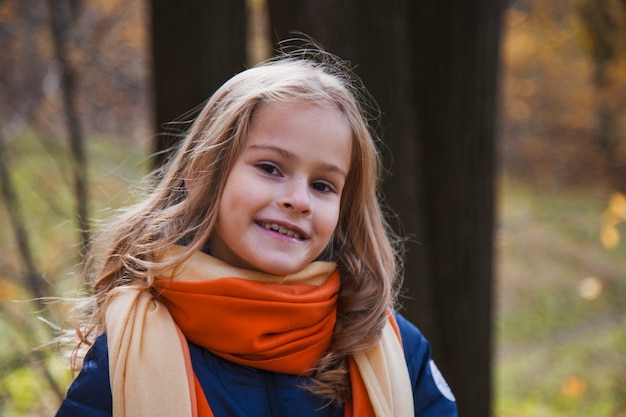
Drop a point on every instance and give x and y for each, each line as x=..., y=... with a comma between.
x=281, y=324
x=274, y=327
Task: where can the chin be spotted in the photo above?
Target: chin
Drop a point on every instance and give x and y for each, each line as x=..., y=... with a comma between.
x=282, y=268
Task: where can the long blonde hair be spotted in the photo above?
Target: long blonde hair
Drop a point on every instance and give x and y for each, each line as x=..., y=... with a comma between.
x=124, y=253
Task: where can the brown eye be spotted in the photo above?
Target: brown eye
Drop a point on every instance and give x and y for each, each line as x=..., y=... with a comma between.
x=322, y=187
x=268, y=168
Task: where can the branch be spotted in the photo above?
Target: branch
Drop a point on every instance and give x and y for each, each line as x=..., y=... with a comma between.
x=36, y=359
x=59, y=21
x=32, y=276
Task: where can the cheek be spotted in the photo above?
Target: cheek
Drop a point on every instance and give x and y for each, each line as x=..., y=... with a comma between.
x=330, y=242
x=226, y=202
x=331, y=222
x=234, y=191
x=341, y=219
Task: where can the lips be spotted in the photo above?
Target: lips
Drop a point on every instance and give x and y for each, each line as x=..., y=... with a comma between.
x=282, y=229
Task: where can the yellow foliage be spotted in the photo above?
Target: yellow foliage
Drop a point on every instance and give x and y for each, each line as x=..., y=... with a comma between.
x=617, y=205
x=613, y=216
x=22, y=386
x=519, y=46
x=609, y=236
x=574, y=386
x=10, y=291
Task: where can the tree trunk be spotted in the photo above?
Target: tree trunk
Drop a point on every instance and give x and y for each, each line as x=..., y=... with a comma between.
x=196, y=45
x=433, y=69
x=456, y=55
x=60, y=23
x=32, y=277
x=605, y=24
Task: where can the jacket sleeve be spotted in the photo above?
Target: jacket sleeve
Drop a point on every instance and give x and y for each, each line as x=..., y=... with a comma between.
x=431, y=395
x=90, y=393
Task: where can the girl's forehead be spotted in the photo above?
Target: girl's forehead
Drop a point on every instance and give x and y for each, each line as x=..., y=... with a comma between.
x=282, y=112
x=316, y=115
x=297, y=105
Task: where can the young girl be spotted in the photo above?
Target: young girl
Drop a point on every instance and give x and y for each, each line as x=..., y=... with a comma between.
x=257, y=277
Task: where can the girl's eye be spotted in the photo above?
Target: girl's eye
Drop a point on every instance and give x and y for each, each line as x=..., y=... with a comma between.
x=323, y=187
x=268, y=168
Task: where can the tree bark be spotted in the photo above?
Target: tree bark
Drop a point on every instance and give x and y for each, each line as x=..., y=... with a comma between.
x=456, y=55
x=196, y=46
x=433, y=68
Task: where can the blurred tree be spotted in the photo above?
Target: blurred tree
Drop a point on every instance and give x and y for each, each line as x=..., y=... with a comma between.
x=456, y=55
x=62, y=14
x=604, y=22
x=35, y=287
x=196, y=46
x=32, y=277
x=433, y=69
x=52, y=77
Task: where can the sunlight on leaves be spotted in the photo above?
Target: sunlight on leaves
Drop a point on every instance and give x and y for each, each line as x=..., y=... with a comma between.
x=611, y=218
x=617, y=205
x=609, y=236
x=22, y=386
x=574, y=386
x=590, y=288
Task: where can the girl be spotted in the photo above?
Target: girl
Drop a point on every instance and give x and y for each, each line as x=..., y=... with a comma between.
x=257, y=277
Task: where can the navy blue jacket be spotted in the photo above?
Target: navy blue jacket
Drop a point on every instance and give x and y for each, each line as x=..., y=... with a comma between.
x=234, y=390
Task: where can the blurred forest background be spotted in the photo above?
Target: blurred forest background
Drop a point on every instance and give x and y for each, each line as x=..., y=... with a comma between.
x=75, y=137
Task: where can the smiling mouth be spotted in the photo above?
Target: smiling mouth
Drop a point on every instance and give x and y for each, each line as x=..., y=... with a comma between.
x=281, y=229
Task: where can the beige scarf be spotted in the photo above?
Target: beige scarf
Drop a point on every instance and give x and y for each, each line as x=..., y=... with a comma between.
x=149, y=361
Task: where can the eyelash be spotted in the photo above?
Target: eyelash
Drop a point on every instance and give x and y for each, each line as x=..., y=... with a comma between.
x=272, y=170
x=268, y=168
x=327, y=187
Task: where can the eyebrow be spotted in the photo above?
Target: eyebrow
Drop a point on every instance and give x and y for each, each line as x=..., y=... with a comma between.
x=290, y=155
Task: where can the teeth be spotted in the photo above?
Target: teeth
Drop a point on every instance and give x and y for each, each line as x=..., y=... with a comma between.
x=282, y=230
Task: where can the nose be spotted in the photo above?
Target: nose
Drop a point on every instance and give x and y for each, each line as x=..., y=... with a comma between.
x=296, y=196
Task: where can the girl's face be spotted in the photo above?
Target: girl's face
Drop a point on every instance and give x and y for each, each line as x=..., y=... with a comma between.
x=281, y=201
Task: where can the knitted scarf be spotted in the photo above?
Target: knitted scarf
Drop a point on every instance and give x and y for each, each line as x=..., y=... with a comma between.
x=276, y=323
